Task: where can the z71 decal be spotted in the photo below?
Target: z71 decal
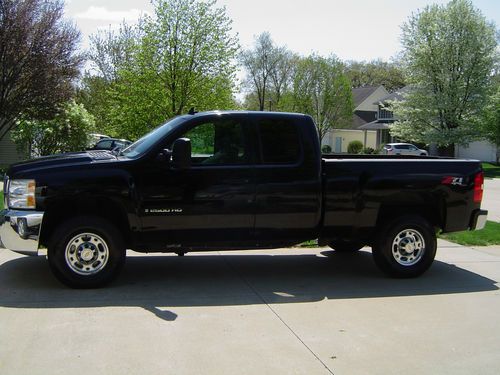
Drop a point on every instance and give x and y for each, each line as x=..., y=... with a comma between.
x=450, y=180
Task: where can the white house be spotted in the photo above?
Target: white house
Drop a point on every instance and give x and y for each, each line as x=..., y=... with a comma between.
x=366, y=111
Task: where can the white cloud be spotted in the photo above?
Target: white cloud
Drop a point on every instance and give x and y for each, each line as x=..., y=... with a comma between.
x=102, y=14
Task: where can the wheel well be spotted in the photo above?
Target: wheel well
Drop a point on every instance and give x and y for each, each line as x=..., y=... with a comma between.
x=90, y=206
x=433, y=214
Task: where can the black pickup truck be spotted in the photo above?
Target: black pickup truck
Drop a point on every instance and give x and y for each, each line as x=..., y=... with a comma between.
x=233, y=180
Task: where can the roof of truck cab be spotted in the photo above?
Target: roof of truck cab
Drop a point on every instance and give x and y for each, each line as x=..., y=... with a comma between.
x=252, y=113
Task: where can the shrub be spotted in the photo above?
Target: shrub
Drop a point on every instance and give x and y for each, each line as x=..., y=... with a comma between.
x=67, y=131
x=354, y=147
x=326, y=149
x=368, y=150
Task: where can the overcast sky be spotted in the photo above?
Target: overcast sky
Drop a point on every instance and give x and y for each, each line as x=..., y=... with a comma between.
x=350, y=29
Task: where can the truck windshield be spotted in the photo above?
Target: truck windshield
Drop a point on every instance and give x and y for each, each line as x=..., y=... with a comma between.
x=140, y=146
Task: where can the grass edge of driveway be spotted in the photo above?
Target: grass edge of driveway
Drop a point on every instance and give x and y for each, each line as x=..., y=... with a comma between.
x=488, y=236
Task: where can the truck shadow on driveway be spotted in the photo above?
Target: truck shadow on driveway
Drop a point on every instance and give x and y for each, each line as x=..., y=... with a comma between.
x=161, y=283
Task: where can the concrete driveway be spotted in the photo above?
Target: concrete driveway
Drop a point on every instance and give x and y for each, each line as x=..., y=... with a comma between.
x=491, y=198
x=263, y=312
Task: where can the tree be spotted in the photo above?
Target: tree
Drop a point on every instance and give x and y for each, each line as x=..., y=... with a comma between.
x=181, y=57
x=490, y=119
x=375, y=73
x=94, y=93
x=449, y=53
x=110, y=53
x=282, y=78
x=67, y=131
x=38, y=60
x=322, y=90
x=259, y=63
x=269, y=71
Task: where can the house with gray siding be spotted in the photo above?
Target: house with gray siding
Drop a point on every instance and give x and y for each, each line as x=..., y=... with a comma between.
x=9, y=153
x=366, y=107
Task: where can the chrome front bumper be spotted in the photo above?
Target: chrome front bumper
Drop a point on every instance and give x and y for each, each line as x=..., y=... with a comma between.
x=20, y=230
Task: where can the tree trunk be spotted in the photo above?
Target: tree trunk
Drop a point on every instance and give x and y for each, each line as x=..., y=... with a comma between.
x=5, y=127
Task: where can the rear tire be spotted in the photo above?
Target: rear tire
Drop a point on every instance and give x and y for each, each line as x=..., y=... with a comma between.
x=406, y=247
x=86, y=252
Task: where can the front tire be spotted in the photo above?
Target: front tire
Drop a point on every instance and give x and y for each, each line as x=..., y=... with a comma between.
x=406, y=247
x=86, y=252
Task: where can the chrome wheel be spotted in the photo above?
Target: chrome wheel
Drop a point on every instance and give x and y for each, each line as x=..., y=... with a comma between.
x=87, y=254
x=408, y=247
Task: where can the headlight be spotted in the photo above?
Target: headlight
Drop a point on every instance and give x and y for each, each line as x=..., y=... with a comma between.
x=21, y=194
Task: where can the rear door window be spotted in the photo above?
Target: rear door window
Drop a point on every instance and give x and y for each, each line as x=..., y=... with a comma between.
x=279, y=140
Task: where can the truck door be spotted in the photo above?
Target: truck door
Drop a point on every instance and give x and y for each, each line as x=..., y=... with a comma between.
x=212, y=202
x=288, y=178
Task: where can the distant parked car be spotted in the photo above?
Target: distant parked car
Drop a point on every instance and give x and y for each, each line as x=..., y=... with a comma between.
x=111, y=144
x=403, y=149
x=93, y=138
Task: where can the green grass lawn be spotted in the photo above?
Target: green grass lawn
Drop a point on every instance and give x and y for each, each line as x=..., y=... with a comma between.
x=1, y=200
x=490, y=235
x=491, y=170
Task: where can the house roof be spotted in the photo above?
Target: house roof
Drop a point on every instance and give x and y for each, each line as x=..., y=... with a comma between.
x=362, y=117
x=361, y=93
x=375, y=125
x=396, y=95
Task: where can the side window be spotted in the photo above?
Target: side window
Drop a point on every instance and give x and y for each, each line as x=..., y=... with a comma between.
x=217, y=142
x=280, y=141
x=202, y=142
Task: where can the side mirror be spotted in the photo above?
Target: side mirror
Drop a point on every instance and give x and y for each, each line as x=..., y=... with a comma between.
x=181, y=153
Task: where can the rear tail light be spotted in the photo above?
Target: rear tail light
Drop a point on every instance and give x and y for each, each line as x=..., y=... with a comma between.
x=478, y=187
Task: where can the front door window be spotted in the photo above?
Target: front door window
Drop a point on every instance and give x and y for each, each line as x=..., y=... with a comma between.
x=219, y=142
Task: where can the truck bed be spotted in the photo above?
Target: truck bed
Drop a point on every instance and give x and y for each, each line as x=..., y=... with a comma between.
x=361, y=190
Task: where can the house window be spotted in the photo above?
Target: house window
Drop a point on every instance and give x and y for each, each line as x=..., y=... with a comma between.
x=385, y=114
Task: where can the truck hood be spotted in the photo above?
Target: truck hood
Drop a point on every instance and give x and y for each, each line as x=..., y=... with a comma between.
x=60, y=160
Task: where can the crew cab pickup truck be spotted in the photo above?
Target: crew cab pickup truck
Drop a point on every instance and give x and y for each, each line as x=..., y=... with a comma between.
x=233, y=180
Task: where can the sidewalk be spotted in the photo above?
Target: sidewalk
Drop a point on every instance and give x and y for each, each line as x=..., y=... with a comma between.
x=490, y=250
x=491, y=199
